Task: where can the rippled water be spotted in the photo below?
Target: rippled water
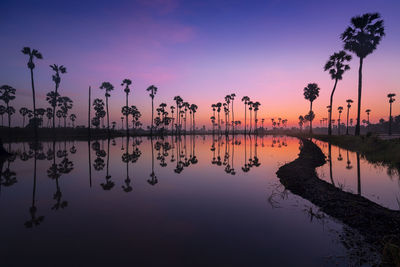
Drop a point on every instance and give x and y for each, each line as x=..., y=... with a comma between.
x=189, y=201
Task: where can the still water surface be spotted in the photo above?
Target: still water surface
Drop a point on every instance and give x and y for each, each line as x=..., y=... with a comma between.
x=189, y=201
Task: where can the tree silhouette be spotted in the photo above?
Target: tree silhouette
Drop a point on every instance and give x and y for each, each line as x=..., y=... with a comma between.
x=368, y=111
x=32, y=53
x=311, y=92
x=54, y=94
x=3, y=110
x=301, y=122
x=178, y=100
x=193, y=108
x=153, y=90
x=126, y=82
x=362, y=37
x=246, y=100
x=391, y=100
x=23, y=111
x=233, y=114
x=336, y=66
x=349, y=101
x=108, y=87
x=7, y=93
x=340, y=109
x=219, y=105
x=255, y=107
x=72, y=117
x=65, y=104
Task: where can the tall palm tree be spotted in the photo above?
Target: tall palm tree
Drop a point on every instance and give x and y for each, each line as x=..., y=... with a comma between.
x=56, y=79
x=250, y=104
x=349, y=101
x=301, y=122
x=246, y=100
x=368, y=111
x=153, y=90
x=311, y=92
x=193, y=108
x=108, y=87
x=219, y=105
x=178, y=100
x=340, y=109
x=214, y=107
x=391, y=100
x=65, y=104
x=256, y=108
x=362, y=37
x=233, y=114
x=7, y=93
x=126, y=82
x=336, y=66
x=227, y=121
x=23, y=111
x=32, y=53
x=72, y=117
x=3, y=110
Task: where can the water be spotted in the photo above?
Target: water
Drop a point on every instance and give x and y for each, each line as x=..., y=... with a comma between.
x=193, y=201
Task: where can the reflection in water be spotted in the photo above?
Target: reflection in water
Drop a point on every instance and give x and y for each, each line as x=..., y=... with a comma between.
x=209, y=189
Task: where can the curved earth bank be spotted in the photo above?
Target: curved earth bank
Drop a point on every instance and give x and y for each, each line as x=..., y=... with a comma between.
x=380, y=226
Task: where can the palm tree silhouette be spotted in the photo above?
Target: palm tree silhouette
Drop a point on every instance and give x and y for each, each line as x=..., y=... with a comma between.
x=255, y=106
x=233, y=115
x=193, y=108
x=362, y=37
x=65, y=104
x=301, y=122
x=246, y=100
x=126, y=82
x=32, y=53
x=340, y=109
x=108, y=87
x=219, y=105
x=336, y=66
x=311, y=92
x=72, y=117
x=368, y=111
x=56, y=79
x=153, y=90
x=349, y=101
x=250, y=104
x=178, y=100
x=391, y=100
x=23, y=111
x=7, y=93
x=2, y=112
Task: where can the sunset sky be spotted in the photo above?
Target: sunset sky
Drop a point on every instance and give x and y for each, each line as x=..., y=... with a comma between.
x=200, y=50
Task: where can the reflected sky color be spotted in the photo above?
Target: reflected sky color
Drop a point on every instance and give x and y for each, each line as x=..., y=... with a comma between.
x=268, y=50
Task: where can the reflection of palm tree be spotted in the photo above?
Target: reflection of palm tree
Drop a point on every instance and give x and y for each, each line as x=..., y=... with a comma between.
x=109, y=184
x=126, y=158
x=32, y=54
x=35, y=220
x=362, y=38
x=348, y=166
x=336, y=66
x=311, y=92
x=153, y=176
x=330, y=163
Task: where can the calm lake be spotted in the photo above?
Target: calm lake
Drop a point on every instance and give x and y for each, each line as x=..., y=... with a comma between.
x=188, y=201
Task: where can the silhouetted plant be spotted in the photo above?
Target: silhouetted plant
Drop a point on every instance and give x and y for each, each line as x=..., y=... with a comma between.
x=391, y=100
x=336, y=66
x=53, y=95
x=368, y=111
x=108, y=87
x=72, y=117
x=301, y=122
x=178, y=100
x=3, y=110
x=340, y=109
x=65, y=104
x=7, y=93
x=349, y=101
x=32, y=54
x=153, y=90
x=362, y=37
x=311, y=92
x=126, y=82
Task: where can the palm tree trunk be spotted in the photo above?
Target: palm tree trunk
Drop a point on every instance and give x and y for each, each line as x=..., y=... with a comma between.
x=250, y=122
x=347, y=124
x=233, y=120
x=54, y=108
x=89, y=119
x=34, y=104
x=8, y=115
x=330, y=112
x=245, y=118
x=311, y=118
x=126, y=117
x=390, y=119
x=108, y=118
x=357, y=132
x=152, y=116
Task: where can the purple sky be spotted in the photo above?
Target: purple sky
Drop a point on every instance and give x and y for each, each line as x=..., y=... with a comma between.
x=268, y=50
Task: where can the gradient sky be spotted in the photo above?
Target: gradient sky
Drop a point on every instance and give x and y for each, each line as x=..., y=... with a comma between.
x=200, y=50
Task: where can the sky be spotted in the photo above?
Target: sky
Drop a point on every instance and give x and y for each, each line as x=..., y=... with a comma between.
x=200, y=50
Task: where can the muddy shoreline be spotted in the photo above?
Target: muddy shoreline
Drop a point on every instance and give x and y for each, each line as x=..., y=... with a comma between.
x=380, y=226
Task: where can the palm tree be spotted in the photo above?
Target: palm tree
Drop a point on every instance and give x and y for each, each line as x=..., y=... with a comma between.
x=219, y=105
x=23, y=111
x=311, y=92
x=301, y=122
x=2, y=112
x=368, y=111
x=153, y=90
x=349, y=101
x=7, y=93
x=178, y=100
x=59, y=114
x=227, y=121
x=233, y=115
x=126, y=82
x=56, y=79
x=340, y=109
x=246, y=100
x=391, y=100
x=250, y=104
x=255, y=106
x=336, y=66
x=362, y=38
x=193, y=108
x=32, y=53
x=72, y=117
x=108, y=87
x=65, y=104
